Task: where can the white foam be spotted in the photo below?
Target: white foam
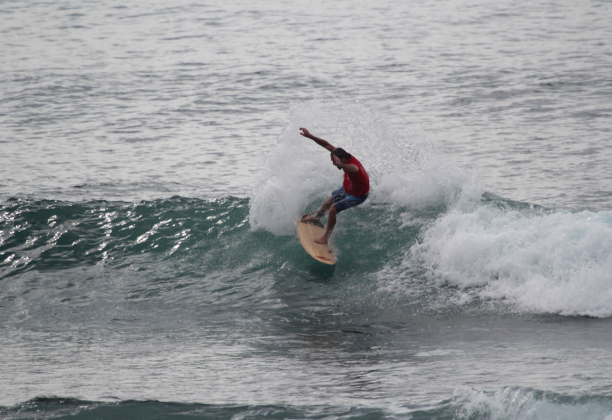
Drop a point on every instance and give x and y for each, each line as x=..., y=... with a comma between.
x=523, y=404
x=556, y=262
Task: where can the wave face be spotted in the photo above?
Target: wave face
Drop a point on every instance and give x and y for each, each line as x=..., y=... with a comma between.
x=475, y=250
x=478, y=249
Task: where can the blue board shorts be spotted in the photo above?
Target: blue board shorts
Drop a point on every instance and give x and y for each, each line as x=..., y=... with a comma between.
x=343, y=201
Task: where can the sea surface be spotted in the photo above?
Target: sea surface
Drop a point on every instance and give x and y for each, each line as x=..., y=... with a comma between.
x=152, y=173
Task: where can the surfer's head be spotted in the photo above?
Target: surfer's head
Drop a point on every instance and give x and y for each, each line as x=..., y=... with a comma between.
x=342, y=154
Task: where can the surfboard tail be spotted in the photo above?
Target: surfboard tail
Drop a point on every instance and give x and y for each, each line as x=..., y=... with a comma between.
x=307, y=232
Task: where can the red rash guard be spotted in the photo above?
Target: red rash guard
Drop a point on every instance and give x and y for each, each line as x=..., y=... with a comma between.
x=356, y=183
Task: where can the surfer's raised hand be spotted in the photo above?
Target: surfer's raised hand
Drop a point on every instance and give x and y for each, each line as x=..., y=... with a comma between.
x=320, y=142
x=305, y=133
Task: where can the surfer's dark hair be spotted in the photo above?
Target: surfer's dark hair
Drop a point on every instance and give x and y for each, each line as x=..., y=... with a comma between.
x=341, y=153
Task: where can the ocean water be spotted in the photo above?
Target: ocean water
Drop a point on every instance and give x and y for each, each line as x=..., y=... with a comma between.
x=152, y=171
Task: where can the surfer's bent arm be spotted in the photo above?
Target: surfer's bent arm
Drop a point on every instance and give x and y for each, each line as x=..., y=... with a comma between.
x=320, y=142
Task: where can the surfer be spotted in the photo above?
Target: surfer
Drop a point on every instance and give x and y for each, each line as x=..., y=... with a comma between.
x=354, y=189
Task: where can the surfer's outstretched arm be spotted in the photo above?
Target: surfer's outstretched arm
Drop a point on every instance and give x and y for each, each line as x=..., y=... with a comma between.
x=320, y=142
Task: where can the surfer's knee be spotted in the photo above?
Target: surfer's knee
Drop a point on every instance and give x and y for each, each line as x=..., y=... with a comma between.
x=333, y=210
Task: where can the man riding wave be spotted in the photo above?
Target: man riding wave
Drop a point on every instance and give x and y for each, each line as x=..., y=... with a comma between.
x=354, y=189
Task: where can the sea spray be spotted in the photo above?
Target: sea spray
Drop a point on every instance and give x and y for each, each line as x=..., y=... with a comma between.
x=433, y=182
x=299, y=175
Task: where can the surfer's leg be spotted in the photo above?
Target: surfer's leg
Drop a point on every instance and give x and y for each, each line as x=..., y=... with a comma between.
x=331, y=222
x=347, y=202
x=321, y=211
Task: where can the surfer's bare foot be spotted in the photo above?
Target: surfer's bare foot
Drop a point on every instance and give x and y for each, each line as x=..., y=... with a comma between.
x=321, y=240
x=310, y=217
